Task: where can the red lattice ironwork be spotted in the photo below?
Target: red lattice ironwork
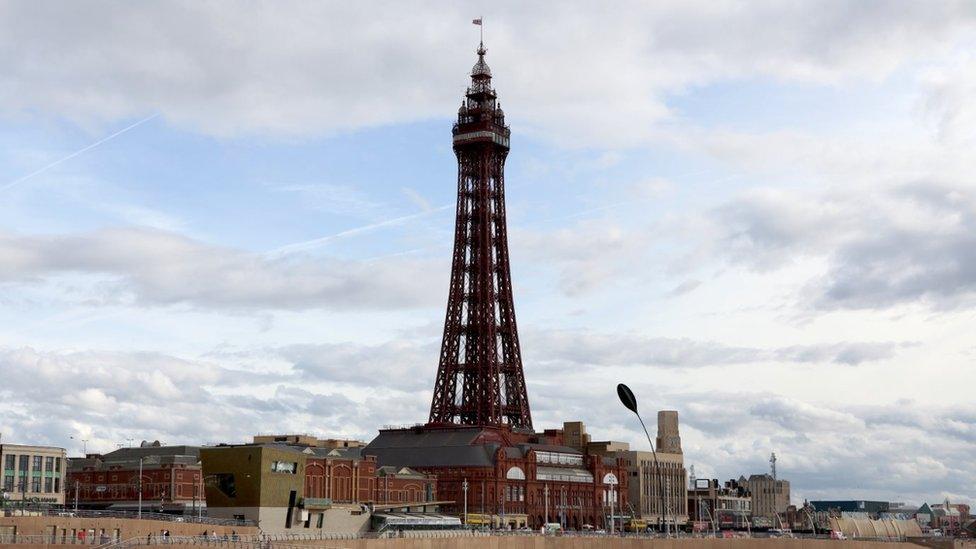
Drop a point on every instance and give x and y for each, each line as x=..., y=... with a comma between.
x=479, y=377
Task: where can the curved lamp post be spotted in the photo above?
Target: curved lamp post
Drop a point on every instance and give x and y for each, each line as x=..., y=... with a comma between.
x=628, y=399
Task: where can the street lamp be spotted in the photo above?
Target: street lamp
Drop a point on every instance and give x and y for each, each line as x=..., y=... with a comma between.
x=464, y=486
x=201, y=488
x=628, y=399
x=84, y=443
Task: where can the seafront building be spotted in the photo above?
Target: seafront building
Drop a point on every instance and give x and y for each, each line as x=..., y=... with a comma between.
x=34, y=474
x=171, y=480
x=714, y=506
x=289, y=488
x=770, y=498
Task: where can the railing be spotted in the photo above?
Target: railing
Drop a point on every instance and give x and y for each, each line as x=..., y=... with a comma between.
x=48, y=539
x=294, y=541
x=88, y=513
x=283, y=541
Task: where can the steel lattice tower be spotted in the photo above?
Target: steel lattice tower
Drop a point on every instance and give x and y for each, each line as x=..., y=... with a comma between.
x=479, y=376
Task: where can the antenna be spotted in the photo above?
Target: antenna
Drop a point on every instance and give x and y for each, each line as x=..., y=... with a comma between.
x=772, y=464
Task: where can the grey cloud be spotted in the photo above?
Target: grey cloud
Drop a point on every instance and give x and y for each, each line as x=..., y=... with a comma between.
x=911, y=243
x=109, y=397
x=685, y=287
x=851, y=353
x=158, y=268
x=826, y=450
x=595, y=349
x=589, y=255
x=301, y=68
x=400, y=365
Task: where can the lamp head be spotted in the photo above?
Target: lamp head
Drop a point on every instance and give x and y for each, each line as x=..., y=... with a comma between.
x=627, y=397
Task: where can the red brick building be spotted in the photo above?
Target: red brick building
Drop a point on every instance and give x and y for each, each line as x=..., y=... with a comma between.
x=513, y=478
x=346, y=475
x=171, y=479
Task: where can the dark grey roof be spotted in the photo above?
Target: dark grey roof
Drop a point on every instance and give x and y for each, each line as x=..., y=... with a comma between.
x=285, y=447
x=129, y=457
x=514, y=453
x=128, y=454
x=550, y=448
x=432, y=448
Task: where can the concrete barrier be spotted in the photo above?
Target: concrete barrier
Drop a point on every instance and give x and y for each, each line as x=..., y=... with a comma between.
x=95, y=531
x=541, y=542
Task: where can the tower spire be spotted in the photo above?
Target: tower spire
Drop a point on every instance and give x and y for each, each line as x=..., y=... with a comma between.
x=479, y=376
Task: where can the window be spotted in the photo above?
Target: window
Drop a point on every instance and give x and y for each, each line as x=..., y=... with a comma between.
x=9, y=462
x=289, y=467
x=8, y=483
x=35, y=485
x=48, y=485
x=57, y=485
x=49, y=464
x=57, y=464
x=515, y=473
x=36, y=463
x=24, y=460
x=223, y=482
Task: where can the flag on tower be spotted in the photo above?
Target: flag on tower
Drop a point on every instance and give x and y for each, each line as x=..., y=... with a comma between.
x=476, y=21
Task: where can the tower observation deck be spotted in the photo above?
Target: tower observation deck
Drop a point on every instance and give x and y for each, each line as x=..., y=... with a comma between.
x=479, y=376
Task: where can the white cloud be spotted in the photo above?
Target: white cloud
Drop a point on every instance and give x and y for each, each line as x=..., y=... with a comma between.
x=158, y=268
x=582, y=76
x=907, y=244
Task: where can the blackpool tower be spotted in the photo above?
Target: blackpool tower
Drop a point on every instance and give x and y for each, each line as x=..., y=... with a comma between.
x=479, y=375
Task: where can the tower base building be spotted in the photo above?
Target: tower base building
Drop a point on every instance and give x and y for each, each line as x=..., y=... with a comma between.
x=501, y=477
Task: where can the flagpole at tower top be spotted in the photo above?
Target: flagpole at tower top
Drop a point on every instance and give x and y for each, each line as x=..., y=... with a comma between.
x=481, y=29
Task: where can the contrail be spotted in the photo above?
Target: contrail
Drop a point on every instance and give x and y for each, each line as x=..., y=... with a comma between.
x=76, y=153
x=316, y=242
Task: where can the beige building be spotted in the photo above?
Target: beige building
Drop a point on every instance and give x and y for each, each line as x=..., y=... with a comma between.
x=33, y=473
x=309, y=440
x=770, y=497
x=575, y=436
x=645, y=490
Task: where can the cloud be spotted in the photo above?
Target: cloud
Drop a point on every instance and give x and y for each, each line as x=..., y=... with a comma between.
x=589, y=255
x=408, y=366
x=905, y=244
x=947, y=100
x=587, y=75
x=561, y=347
x=825, y=450
x=148, y=267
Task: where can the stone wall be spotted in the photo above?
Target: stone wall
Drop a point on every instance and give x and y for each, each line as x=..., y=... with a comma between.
x=122, y=528
x=540, y=542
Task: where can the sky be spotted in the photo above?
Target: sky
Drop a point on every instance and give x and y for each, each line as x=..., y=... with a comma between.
x=221, y=219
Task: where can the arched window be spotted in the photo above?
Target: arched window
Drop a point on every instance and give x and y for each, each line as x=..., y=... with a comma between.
x=515, y=473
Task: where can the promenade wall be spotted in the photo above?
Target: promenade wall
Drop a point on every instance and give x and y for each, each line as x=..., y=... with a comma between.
x=69, y=529
x=540, y=542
